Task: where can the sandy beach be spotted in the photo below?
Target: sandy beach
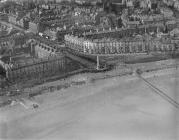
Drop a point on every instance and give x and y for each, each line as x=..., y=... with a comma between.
x=122, y=108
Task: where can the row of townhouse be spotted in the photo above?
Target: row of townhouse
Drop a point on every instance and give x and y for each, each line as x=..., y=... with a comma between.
x=174, y=3
x=29, y=25
x=117, y=47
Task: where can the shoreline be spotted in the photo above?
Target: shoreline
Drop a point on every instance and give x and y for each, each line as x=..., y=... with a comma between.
x=120, y=100
x=83, y=78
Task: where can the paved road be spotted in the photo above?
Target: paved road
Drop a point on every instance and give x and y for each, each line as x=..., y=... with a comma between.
x=83, y=61
x=14, y=26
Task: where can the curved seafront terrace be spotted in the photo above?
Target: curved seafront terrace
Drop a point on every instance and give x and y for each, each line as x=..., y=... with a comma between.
x=122, y=47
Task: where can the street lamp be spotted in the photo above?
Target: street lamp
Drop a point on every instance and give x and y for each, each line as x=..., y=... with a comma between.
x=98, y=65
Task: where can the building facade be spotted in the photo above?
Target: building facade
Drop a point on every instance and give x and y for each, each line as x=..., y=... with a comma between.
x=117, y=47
